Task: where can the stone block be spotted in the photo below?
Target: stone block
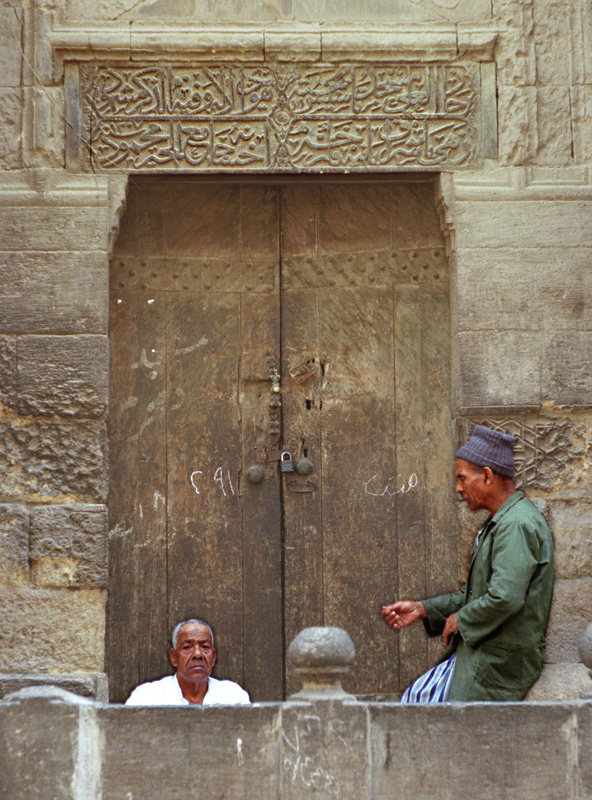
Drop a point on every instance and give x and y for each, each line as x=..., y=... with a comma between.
x=566, y=369
x=559, y=682
x=52, y=228
x=11, y=57
x=324, y=750
x=10, y=128
x=571, y=613
x=517, y=124
x=93, y=686
x=584, y=716
x=524, y=223
x=392, y=11
x=571, y=522
x=53, y=292
x=8, y=382
x=44, y=141
x=63, y=375
x=553, y=41
x=438, y=753
x=581, y=109
x=68, y=545
x=523, y=288
x=52, y=630
x=230, y=752
x=499, y=368
x=42, y=460
x=38, y=755
x=554, y=131
x=14, y=544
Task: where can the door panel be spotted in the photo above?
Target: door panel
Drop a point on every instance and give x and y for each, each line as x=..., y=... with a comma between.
x=352, y=309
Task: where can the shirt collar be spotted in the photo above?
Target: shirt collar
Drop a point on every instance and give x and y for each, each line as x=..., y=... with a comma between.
x=179, y=693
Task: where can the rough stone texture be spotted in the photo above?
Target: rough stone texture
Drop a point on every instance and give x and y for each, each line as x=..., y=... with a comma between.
x=14, y=544
x=559, y=682
x=59, y=292
x=11, y=101
x=572, y=527
x=241, y=745
x=57, y=745
x=8, y=371
x=10, y=39
x=566, y=373
x=53, y=460
x=516, y=284
x=571, y=613
x=52, y=630
x=68, y=546
x=581, y=104
x=51, y=229
x=517, y=124
x=65, y=375
x=585, y=748
x=324, y=749
x=501, y=368
x=524, y=224
x=554, y=133
x=512, y=750
x=93, y=686
x=284, y=10
x=38, y=761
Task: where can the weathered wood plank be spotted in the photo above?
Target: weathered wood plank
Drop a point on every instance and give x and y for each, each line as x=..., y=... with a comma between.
x=151, y=497
x=204, y=454
x=411, y=532
x=122, y=599
x=261, y=509
x=358, y=449
x=303, y=532
x=443, y=540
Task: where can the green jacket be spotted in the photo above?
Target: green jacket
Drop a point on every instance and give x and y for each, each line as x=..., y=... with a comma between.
x=503, y=609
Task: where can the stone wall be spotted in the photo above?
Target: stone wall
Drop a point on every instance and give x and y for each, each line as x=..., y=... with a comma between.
x=520, y=239
x=55, y=745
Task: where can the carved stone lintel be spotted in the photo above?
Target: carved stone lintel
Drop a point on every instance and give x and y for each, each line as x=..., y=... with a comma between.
x=288, y=117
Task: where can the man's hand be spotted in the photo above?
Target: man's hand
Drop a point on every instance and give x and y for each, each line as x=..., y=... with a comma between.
x=399, y=615
x=450, y=629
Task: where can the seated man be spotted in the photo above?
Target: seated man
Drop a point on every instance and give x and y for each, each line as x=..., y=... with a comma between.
x=494, y=627
x=193, y=656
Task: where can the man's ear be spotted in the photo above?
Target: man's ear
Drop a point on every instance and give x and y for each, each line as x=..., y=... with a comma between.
x=173, y=657
x=487, y=474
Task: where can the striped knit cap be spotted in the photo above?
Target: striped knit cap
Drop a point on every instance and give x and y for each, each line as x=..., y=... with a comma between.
x=488, y=448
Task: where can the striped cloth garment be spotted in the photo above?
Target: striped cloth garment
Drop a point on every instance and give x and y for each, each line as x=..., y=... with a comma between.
x=433, y=686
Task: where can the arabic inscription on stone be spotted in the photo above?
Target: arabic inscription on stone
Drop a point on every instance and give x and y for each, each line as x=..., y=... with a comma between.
x=283, y=118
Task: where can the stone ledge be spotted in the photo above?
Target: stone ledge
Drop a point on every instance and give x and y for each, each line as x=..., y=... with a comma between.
x=92, y=685
x=256, y=41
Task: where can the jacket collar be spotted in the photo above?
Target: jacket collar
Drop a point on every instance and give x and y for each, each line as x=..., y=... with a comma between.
x=491, y=522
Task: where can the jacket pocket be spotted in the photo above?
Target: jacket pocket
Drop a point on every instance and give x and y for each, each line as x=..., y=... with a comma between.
x=499, y=666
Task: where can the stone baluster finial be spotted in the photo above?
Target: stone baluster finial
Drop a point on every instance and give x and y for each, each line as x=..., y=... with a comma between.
x=586, y=658
x=322, y=657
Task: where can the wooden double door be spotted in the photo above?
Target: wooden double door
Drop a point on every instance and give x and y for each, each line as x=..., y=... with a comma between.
x=249, y=320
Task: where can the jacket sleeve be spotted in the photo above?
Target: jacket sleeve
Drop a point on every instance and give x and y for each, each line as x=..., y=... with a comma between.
x=514, y=559
x=439, y=609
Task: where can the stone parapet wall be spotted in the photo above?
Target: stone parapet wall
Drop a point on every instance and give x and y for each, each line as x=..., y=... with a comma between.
x=56, y=745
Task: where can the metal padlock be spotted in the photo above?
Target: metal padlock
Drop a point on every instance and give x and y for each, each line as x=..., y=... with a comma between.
x=286, y=463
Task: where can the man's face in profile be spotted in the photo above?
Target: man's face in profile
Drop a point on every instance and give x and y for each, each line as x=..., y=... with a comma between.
x=194, y=657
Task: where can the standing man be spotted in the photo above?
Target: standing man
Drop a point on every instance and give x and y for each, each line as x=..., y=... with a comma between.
x=494, y=627
x=193, y=655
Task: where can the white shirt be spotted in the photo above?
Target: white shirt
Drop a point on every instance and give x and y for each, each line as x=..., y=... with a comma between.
x=167, y=692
